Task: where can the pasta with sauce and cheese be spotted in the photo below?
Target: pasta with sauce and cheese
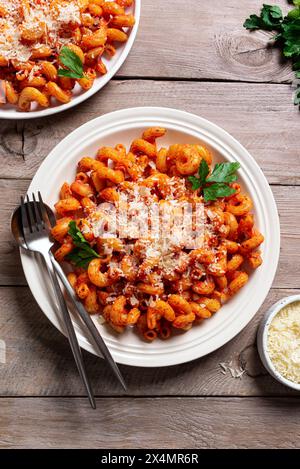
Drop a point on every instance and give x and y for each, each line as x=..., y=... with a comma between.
x=148, y=251
x=33, y=34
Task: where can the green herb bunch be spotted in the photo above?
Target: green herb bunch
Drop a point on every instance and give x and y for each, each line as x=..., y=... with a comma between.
x=288, y=32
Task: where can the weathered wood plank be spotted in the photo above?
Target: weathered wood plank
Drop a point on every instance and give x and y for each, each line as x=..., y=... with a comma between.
x=192, y=39
x=288, y=201
x=10, y=265
x=35, y=348
x=150, y=423
x=261, y=117
x=188, y=41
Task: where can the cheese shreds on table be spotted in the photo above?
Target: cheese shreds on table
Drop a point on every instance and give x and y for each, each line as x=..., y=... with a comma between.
x=234, y=372
x=51, y=19
x=284, y=342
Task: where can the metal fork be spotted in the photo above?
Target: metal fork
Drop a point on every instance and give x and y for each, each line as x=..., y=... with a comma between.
x=37, y=240
x=86, y=318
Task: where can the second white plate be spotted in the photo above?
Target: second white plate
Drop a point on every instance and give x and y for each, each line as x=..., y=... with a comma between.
x=122, y=127
x=8, y=111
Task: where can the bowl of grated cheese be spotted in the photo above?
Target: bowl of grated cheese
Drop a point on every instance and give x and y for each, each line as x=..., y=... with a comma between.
x=278, y=341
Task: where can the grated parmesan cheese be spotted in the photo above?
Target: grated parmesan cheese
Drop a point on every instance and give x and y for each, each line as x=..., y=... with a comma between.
x=284, y=342
x=157, y=234
x=133, y=300
x=55, y=25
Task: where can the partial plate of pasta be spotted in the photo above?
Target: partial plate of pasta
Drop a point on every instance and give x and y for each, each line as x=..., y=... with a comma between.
x=167, y=156
x=55, y=55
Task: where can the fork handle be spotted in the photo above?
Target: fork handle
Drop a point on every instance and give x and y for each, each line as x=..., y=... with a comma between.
x=70, y=331
x=98, y=340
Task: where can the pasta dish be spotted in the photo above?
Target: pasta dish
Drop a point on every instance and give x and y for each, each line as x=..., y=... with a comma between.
x=49, y=46
x=158, y=238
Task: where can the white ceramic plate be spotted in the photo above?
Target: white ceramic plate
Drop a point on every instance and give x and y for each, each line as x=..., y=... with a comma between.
x=122, y=127
x=8, y=111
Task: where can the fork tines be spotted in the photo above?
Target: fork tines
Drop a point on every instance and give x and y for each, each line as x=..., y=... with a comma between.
x=34, y=214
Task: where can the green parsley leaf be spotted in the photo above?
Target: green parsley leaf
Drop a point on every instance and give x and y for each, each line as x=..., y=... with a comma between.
x=217, y=190
x=288, y=31
x=296, y=65
x=83, y=253
x=271, y=16
x=297, y=96
x=72, y=62
x=253, y=22
x=294, y=13
x=62, y=72
x=222, y=175
x=76, y=234
x=203, y=171
x=196, y=184
x=291, y=36
x=76, y=258
x=224, y=172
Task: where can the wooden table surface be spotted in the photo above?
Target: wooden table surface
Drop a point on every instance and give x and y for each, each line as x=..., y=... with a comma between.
x=196, y=56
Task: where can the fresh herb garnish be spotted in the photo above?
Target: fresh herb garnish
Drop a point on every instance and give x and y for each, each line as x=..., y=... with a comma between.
x=217, y=190
x=288, y=32
x=217, y=184
x=83, y=253
x=203, y=172
x=297, y=97
x=73, y=64
x=224, y=172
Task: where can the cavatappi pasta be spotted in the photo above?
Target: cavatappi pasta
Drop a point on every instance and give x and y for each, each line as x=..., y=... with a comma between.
x=32, y=34
x=157, y=283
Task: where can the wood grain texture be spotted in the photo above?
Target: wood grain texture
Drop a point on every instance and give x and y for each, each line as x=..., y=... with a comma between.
x=10, y=265
x=193, y=40
x=36, y=349
x=191, y=405
x=288, y=202
x=149, y=423
x=261, y=117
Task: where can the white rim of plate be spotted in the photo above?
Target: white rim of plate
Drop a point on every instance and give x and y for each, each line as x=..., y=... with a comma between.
x=229, y=147
x=99, y=83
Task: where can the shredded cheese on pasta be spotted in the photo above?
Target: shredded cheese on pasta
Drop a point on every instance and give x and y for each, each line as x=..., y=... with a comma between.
x=165, y=248
x=53, y=18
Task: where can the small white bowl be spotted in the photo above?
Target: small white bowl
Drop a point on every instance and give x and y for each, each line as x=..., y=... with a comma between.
x=262, y=340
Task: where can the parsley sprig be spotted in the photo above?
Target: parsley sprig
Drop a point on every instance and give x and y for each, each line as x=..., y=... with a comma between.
x=72, y=63
x=83, y=253
x=288, y=32
x=217, y=184
x=270, y=18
